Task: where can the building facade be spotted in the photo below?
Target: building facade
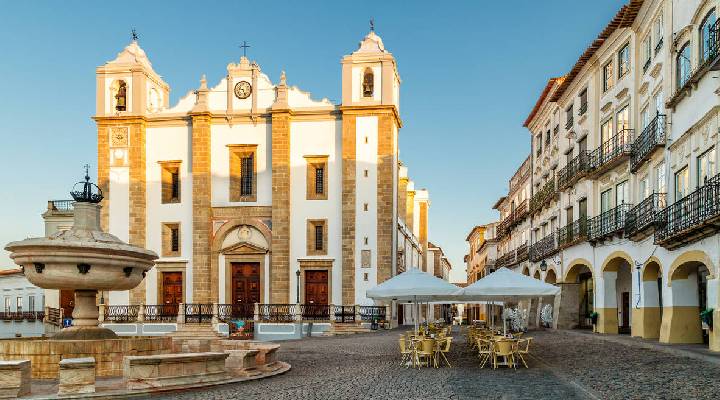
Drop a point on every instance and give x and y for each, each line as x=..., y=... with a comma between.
x=23, y=306
x=253, y=192
x=480, y=261
x=625, y=193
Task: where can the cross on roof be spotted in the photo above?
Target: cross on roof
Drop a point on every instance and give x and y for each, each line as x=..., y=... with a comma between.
x=134, y=34
x=244, y=48
x=372, y=24
x=87, y=171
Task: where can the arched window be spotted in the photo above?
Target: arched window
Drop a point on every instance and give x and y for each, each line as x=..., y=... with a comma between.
x=368, y=83
x=121, y=96
x=683, y=65
x=708, y=36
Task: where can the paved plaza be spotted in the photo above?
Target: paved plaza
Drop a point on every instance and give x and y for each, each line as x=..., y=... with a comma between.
x=567, y=365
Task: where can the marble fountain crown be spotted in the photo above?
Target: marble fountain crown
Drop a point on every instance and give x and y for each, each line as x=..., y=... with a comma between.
x=84, y=259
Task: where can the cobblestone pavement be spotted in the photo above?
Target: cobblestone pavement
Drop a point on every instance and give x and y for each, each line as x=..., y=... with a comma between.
x=568, y=366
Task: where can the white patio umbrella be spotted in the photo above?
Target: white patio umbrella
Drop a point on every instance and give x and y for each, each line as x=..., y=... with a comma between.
x=508, y=286
x=416, y=286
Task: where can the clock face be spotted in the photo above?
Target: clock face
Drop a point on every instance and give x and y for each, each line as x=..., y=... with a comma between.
x=243, y=90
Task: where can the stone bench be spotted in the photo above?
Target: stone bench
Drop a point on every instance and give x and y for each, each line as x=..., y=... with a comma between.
x=77, y=375
x=241, y=362
x=267, y=352
x=145, y=372
x=14, y=379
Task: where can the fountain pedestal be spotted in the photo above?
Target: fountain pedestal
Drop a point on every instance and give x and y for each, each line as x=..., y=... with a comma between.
x=85, y=325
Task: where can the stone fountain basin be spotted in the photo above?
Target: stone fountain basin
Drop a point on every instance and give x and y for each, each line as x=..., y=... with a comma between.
x=108, y=263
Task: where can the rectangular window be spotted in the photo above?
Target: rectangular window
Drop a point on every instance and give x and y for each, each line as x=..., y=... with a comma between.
x=171, y=239
x=170, y=177
x=660, y=181
x=608, y=76
x=583, y=102
x=647, y=52
x=705, y=166
x=365, y=258
x=243, y=172
x=317, y=177
x=317, y=237
x=538, y=144
x=8, y=303
x=658, y=33
x=682, y=183
x=569, y=215
x=645, y=117
x=19, y=304
x=569, y=117
x=659, y=106
x=606, y=131
x=622, y=193
x=605, y=200
x=582, y=145
x=623, y=119
x=31, y=303
x=644, y=191
x=624, y=61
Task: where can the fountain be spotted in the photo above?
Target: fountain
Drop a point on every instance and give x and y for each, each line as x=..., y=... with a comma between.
x=84, y=259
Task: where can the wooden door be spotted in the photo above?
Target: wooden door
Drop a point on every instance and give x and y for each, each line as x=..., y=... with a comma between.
x=626, y=312
x=316, y=287
x=245, y=285
x=67, y=302
x=172, y=288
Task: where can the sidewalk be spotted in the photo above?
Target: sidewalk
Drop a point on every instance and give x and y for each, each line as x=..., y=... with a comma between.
x=696, y=351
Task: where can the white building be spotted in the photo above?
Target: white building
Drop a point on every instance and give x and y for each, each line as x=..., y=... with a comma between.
x=625, y=196
x=23, y=306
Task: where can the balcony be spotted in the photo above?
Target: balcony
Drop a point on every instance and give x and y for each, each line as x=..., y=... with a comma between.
x=506, y=259
x=692, y=218
x=521, y=253
x=583, y=108
x=543, y=196
x=612, y=152
x=643, y=216
x=652, y=137
x=574, y=171
x=61, y=205
x=609, y=223
x=544, y=248
x=572, y=233
x=515, y=217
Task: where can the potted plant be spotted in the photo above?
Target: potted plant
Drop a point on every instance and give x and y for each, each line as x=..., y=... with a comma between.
x=706, y=316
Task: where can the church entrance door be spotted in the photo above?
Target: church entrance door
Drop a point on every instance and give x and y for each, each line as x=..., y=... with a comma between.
x=67, y=302
x=245, y=288
x=316, y=295
x=172, y=288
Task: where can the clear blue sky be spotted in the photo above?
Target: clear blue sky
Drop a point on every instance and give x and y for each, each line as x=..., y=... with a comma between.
x=471, y=72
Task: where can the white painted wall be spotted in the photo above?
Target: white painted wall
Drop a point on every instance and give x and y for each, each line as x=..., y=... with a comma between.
x=316, y=138
x=166, y=144
x=366, y=131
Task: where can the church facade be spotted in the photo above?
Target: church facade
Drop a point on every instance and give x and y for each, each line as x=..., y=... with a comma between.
x=253, y=192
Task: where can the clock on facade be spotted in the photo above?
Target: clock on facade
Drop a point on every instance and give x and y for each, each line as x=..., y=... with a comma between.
x=243, y=89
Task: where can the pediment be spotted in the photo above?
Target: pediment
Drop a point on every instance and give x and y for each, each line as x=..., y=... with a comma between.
x=244, y=248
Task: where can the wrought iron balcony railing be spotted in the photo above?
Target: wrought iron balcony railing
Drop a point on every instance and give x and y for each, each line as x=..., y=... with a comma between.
x=161, y=312
x=651, y=137
x=543, y=248
x=370, y=313
x=645, y=214
x=277, y=312
x=515, y=217
x=691, y=218
x=572, y=233
x=521, y=253
x=506, y=259
x=61, y=205
x=612, y=151
x=543, y=196
x=240, y=311
x=573, y=171
x=609, y=223
x=583, y=108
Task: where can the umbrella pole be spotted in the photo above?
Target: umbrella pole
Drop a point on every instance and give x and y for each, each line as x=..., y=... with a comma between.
x=417, y=312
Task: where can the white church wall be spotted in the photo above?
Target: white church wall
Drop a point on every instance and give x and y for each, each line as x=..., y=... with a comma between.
x=241, y=133
x=316, y=138
x=119, y=220
x=366, y=193
x=166, y=144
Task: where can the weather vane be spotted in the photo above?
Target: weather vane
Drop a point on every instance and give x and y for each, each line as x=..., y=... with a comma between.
x=134, y=34
x=372, y=24
x=244, y=47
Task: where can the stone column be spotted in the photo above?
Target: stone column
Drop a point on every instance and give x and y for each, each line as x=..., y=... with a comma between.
x=202, y=209
x=386, y=175
x=568, y=309
x=141, y=313
x=101, y=313
x=181, y=315
x=215, y=318
x=348, y=207
x=137, y=199
x=280, y=257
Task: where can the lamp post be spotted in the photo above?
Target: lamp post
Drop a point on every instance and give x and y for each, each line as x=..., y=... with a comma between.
x=543, y=265
x=297, y=274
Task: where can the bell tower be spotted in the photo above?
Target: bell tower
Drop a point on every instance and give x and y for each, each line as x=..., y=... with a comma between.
x=370, y=126
x=128, y=89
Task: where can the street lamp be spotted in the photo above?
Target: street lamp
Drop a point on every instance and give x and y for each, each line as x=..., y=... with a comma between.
x=543, y=265
x=297, y=274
